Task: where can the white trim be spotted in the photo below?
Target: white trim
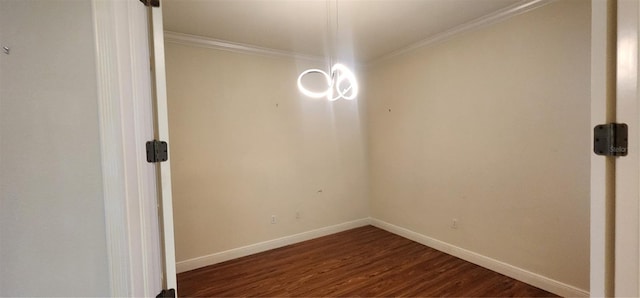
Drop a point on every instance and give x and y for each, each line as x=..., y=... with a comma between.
x=523, y=275
x=514, y=272
x=162, y=117
x=627, y=186
x=492, y=18
x=218, y=44
x=239, y=252
x=124, y=102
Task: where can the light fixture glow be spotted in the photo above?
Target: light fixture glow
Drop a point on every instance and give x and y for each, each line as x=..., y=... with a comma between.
x=306, y=91
x=341, y=80
x=342, y=74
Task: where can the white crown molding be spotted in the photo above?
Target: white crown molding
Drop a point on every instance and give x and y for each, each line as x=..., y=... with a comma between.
x=495, y=17
x=219, y=44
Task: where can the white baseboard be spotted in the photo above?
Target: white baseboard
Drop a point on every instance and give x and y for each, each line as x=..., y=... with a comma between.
x=520, y=274
x=239, y=252
x=523, y=275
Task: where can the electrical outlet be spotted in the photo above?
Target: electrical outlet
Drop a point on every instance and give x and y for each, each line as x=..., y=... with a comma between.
x=274, y=219
x=297, y=214
x=454, y=223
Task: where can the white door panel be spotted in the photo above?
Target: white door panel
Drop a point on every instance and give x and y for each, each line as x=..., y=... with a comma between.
x=627, y=235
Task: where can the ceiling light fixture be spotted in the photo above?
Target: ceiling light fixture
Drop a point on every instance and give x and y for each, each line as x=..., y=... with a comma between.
x=340, y=79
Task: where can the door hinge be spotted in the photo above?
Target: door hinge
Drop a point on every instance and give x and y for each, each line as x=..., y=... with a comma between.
x=610, y=139
x=157, y=151
x=152, y=3
x=170, y=293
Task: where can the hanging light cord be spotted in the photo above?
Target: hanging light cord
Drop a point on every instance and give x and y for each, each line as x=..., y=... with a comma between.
x=339, y=79
x=330, y=33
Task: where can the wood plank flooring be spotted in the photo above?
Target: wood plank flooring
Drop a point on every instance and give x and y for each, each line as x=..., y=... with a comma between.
x=363, y=262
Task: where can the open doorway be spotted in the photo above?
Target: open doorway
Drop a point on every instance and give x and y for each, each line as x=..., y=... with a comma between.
x=441, y=147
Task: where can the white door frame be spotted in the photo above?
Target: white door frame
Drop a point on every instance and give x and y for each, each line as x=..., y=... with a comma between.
x=602, y=85
x=627, y=189
x=129, y=183
x=162, y=118
x=126, y=123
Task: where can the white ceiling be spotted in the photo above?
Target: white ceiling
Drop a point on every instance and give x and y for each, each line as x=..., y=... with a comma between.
x=367, y=29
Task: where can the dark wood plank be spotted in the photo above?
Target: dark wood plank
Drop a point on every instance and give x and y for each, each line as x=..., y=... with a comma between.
x=363, y=262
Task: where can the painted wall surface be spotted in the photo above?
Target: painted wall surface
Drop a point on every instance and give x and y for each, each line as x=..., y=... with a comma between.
x=491, y=128
x=246, y=145
x=52, y=229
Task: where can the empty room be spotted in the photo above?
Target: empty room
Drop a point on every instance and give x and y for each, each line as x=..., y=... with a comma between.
x=460, y=125
x=319, y=148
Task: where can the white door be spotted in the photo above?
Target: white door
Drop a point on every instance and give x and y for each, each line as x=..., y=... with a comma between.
x=627, y=181
x=615, y=181
x=162, y=133
x=126, y=122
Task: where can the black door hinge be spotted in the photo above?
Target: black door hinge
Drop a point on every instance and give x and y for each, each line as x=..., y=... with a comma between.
x=157, y=151
x=152, y=3
x=170, y=293
x=610, y=139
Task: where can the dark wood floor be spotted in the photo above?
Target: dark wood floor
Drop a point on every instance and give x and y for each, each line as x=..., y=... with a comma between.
x=363, y=262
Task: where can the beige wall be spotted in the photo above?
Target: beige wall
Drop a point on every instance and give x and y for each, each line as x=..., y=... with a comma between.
x=246, y=145
x=491, y=127
x=52, y=224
